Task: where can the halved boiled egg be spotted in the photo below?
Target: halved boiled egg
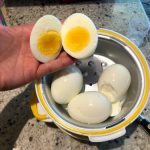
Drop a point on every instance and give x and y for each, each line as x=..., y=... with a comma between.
x=45, y=39
x=79, y=36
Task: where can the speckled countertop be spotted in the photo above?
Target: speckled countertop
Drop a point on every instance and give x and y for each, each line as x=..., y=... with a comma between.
x=19, y=130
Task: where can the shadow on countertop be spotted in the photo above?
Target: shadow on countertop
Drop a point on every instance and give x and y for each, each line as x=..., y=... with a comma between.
x=119, y=141
x=9, y=3
x=13, y=118
x=114, y=143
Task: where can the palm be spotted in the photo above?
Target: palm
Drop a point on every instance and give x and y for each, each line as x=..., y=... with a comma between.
x=18, y=66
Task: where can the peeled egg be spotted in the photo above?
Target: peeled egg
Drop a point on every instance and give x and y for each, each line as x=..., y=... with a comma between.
x=45, y=39
x=114, y=82
x=79, y=36
x=89, y=107
x=66, y=84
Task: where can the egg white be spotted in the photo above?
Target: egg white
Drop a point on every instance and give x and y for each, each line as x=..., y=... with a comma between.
x=45, y=23
x=66, y=84
x=80, y=20
x=116, y=107
x=114, y=82
x=90, y=107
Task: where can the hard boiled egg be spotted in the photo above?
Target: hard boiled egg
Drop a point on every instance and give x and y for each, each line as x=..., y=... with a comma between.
x=89, y=107
x=79, y=36
x=114, y=82
x=45, y=39
x=66, y=84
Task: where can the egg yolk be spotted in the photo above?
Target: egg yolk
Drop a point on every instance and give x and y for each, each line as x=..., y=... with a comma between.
x=77, y=39
x=49, y=43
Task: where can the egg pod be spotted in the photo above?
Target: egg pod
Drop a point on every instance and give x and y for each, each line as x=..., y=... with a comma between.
x=118, y=49
x=79, y=36
x=45, y=39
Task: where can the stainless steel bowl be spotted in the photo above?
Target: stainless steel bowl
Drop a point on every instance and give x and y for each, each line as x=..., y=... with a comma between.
x=112, y=48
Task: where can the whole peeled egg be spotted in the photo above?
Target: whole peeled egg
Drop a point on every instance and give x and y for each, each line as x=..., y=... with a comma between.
x=45, y=39
x=89, y=107
x=66, y=84
x=79, y=36
x=114, y=82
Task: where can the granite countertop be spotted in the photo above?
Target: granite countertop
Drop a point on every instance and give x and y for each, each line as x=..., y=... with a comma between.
x=19, y=130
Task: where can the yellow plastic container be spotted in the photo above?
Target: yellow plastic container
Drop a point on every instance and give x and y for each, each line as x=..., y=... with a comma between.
x=112, y=47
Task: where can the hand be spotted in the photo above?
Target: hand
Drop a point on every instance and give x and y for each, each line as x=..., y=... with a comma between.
x=17, y=64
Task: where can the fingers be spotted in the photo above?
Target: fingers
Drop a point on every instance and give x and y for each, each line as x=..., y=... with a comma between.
x=27, y=29
x=25, y=26
x=62, y=21
x=61, y=62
